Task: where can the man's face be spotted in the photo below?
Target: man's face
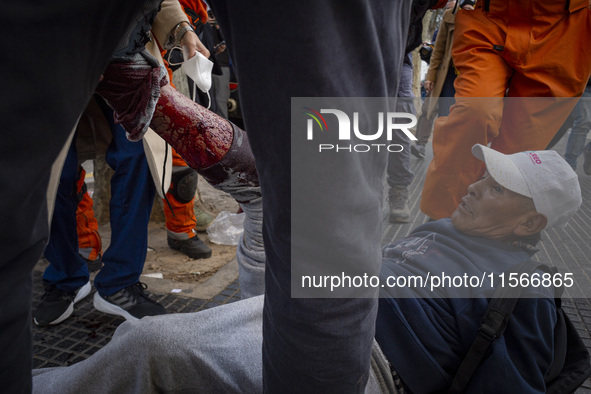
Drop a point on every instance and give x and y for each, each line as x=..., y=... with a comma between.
x=490, y=210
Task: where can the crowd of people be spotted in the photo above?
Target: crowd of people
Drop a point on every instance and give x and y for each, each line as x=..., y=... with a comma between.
x=133, y=187
x=487, y=205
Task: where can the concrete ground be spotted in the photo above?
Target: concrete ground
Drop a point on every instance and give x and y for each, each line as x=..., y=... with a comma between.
x=87, y=330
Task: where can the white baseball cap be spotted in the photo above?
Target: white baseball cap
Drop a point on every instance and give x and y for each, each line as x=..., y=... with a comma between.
x=542, y=175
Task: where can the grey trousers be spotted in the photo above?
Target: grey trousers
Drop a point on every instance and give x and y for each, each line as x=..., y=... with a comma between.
x=398, y=171
x=221, y=86
x=250, y=252
x=214, y=351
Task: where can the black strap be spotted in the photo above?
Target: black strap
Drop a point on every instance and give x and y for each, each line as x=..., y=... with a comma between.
x=492, y=326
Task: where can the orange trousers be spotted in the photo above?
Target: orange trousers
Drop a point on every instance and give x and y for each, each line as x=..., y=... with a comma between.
x=89, y=239
x=521, y=66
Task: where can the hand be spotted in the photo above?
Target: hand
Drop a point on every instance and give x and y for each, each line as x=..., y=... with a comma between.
x=191, y=42
x=221, y=49
x=428, y=85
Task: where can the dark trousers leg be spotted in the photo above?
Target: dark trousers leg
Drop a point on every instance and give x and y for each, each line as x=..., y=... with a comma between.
x=132, y=197
x=41, y=101
x=446, y=97
x=312, y=345
x=67, y=269
x=398, y=170
x=425, y=124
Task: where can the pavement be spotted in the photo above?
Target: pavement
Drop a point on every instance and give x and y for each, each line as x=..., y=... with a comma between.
x=89, y=330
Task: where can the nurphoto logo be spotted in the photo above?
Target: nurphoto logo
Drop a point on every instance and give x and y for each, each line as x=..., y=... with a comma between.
x=388, y=122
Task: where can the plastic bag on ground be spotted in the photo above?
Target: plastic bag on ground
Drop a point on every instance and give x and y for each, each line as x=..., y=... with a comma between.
x=227, y=228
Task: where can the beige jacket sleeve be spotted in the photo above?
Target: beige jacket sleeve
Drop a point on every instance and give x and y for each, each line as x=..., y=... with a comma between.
x=438, y=50
x=170, y=15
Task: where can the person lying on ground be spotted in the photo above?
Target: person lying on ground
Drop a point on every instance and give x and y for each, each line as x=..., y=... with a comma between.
x=422, y=333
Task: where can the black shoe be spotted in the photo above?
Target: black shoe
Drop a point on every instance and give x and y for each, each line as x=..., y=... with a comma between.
x=131, y=303
x=192, y=247
x=56, y=305
x=418, y=150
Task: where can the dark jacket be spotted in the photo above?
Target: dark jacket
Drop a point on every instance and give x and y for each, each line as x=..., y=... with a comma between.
x=415, y=30
x=425, y=336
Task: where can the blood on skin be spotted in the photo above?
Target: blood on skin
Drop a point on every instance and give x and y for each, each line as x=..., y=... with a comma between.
x=200, y=137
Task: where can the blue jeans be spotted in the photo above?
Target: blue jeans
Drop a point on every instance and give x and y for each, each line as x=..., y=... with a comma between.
x=67, y=269
x=132, y=196
x=581, y=116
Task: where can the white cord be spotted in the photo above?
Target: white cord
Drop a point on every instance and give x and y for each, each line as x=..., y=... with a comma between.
x=195, y=91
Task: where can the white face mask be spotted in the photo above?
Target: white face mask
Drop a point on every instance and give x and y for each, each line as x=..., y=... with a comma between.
x=198, y=68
